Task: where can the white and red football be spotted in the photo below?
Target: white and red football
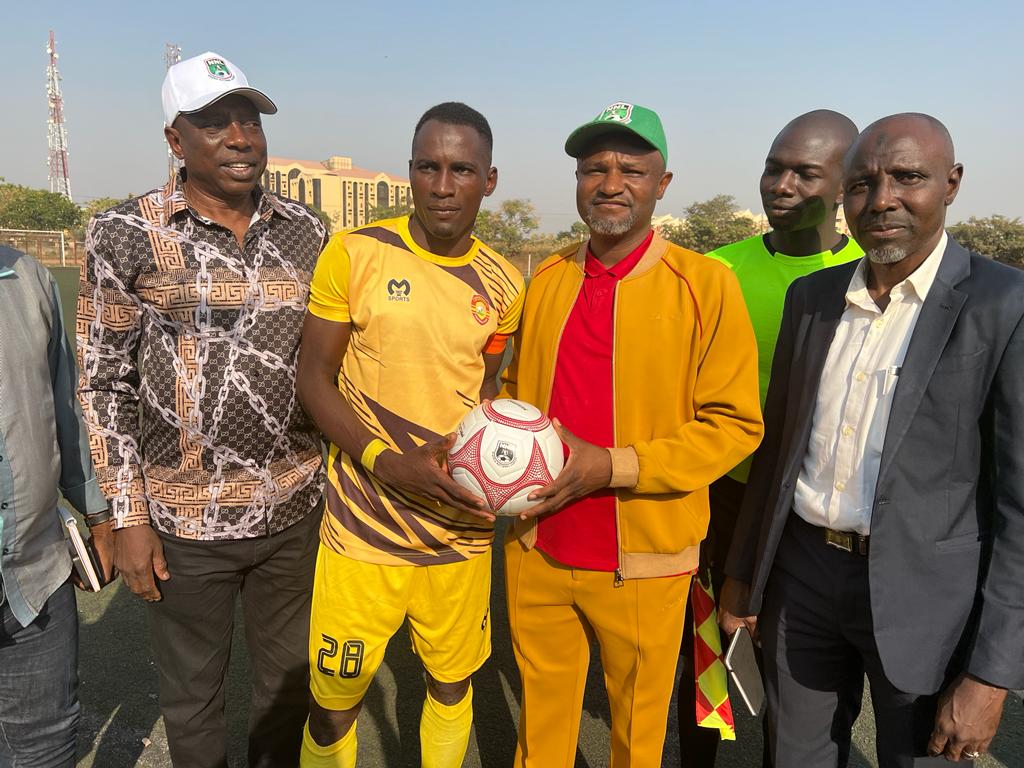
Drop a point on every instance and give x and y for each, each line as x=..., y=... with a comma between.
x=503, y=450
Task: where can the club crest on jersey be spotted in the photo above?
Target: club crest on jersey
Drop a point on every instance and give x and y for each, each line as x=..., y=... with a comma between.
x=218, y=69
x=480, y=308
x=504, y=453
x=398, y=290
x=619, y=112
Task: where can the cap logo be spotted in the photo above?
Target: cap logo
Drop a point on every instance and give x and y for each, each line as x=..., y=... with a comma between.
x=619, y=112
x=218, y=70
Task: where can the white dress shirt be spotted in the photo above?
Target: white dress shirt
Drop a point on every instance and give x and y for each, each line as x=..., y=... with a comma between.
x=836, y=486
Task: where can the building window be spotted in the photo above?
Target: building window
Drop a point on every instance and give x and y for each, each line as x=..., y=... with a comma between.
x=302, y=191
x=316, y=193
x=383, y=196
x=277, y=182
x=293, y=174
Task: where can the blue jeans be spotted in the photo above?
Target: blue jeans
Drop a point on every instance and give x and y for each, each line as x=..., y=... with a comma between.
x=39, y=707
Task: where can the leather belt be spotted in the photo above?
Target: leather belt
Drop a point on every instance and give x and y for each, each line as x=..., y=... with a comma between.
x=855, y=543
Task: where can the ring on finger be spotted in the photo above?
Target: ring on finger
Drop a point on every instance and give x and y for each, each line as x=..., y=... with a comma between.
x=970, y=755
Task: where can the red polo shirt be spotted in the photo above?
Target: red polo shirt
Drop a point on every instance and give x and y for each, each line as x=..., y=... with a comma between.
x=582, y=534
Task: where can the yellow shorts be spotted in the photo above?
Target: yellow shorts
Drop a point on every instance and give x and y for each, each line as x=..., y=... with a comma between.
x=358, y=606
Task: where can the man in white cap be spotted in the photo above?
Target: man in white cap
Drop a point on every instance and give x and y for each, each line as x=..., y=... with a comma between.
x=189, y=318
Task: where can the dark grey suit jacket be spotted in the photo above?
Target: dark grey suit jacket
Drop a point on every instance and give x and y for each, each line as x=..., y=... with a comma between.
x=946, y=560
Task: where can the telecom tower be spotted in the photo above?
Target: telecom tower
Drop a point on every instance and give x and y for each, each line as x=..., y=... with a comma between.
x=60, y=179
x=172, y=55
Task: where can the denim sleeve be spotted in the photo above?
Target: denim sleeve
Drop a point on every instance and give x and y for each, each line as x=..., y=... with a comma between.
x=77, y=478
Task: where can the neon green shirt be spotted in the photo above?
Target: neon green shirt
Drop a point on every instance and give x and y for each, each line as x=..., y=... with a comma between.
x=765, y=276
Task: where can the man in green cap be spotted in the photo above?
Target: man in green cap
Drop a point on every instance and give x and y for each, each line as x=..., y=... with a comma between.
x=643, y=354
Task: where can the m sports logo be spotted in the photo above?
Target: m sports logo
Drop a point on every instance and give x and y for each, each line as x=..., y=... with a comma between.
x=398, y=290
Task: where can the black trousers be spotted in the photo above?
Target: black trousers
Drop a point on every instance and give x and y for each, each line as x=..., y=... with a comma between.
x=818, y=642
x=190, y=633
x=698, y=747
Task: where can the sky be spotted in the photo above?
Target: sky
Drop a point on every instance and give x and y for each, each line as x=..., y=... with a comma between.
x=353, y=78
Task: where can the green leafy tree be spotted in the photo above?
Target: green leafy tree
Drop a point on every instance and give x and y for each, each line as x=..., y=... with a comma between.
x=26, y=208
x=995, y=236
x=578, y=232
x=509, y=228
x=93, y=207
x=710, y=224
x=379, y=212
x=324, y=217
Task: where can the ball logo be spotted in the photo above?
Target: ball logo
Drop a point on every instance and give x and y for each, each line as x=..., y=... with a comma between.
x=218, y=69
x=398, y=290
x=480, y=308
x=504, y=453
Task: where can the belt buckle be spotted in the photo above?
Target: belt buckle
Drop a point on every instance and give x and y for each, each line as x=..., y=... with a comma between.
x=839, y=540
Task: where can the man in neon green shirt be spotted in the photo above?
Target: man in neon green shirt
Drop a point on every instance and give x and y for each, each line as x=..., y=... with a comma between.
x=801, y=190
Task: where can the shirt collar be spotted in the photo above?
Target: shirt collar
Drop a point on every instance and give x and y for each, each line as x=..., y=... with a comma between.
x=919, y=282
x=594, y=268
x=174, y=200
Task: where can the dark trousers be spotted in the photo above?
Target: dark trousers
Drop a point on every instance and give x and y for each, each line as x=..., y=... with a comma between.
x=39, y=709
x=191, y=629
x=818, y=642
x=698, y=747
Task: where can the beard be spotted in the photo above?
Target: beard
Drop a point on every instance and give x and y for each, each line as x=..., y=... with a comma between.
x=887, y=254
x=608, y=227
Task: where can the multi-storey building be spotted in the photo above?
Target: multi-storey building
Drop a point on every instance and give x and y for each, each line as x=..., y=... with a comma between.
x=345, y=193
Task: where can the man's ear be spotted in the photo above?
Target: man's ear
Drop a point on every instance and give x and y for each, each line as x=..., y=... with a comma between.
x=663, y=184
x=956, y=175
x=492, y=181
x=174, y=141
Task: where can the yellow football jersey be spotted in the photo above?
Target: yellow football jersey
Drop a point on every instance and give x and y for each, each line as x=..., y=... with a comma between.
x=421, y=324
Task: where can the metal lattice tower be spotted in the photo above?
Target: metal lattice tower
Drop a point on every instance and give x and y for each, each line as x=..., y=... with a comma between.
x=172, y=55
x=60, y=179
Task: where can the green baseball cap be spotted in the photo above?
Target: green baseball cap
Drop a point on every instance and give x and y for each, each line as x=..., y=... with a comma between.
x=620, y=117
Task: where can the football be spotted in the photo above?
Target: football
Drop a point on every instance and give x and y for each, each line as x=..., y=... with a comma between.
x=503, y=450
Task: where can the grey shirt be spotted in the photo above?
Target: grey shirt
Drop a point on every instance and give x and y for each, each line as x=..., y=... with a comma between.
x=44, y=445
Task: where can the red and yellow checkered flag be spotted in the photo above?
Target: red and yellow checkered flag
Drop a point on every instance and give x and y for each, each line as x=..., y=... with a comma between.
x=711, y=677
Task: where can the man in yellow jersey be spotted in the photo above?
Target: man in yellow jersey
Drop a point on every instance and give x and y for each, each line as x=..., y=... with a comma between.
x=407, y=325
x=644, y=351
x=801, y=191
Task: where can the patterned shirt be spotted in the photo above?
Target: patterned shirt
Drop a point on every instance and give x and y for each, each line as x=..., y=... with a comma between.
x=187, y=347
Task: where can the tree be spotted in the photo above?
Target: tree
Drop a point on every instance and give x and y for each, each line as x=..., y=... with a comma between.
x=90, y=209
x=507, y=229
x=26, y=208
x=328, y=222
x=578, y=232
x=995, y=236
x=710, y=224
x=379, y=212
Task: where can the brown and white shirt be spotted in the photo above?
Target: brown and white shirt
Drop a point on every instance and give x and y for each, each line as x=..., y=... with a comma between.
x=187, y=349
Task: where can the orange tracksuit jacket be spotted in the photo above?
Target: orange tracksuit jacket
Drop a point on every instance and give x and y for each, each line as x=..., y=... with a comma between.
x=684, y=364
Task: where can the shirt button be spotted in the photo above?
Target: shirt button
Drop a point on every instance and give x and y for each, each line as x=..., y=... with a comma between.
x=861, y=376
x=4, y=505
x=879, y=323
x=847, y=430
x=840, y=486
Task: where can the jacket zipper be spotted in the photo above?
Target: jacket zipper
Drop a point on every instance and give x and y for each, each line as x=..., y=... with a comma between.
x=615, y=431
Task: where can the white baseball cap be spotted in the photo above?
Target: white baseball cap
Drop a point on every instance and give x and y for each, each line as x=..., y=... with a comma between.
x=196, y=83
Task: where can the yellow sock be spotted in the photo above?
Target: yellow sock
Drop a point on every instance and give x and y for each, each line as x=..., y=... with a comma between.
x=340, y=754
x=444, y=731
